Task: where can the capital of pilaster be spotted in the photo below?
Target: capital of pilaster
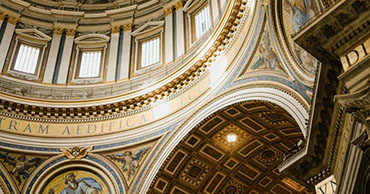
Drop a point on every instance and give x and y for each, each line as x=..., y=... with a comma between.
x=178, y=5
x=115, y=29
x=70, y=32
x=12, y=20
x=57, y=30
x=2, y=15
x=167, y=11
x=127, y=27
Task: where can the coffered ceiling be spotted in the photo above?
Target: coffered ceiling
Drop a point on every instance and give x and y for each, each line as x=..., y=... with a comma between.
x=206, y=162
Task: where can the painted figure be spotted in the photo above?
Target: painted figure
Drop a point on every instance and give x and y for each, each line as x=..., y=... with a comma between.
x=130, y=162
x=267, y=58
x=300, y=11
x=85, y=185
x=21, y=165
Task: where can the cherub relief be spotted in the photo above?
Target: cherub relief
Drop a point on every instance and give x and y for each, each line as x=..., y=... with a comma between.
x=130, y=162
x=21, y=165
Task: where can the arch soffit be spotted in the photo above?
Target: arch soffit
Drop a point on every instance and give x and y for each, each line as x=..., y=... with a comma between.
x=236, y=95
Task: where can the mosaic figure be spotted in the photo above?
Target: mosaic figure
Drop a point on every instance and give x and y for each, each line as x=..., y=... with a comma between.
x=130, y=162
x=267, y=58
x=85, y=185
x=21, y=165
x=300, y=11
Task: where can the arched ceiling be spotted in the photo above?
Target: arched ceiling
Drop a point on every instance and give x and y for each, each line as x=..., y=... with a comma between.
x=205, y=162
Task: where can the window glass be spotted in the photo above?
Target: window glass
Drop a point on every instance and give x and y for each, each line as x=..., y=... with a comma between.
x=90, y=64
x=202, y=22
x=150, y=52
x=27, y=59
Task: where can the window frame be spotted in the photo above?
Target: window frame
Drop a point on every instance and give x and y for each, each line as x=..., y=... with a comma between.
x=147, y=32
x=192, y=8
x=86, y=43
x=32, y=38
x=79, y=60
x=140, y=51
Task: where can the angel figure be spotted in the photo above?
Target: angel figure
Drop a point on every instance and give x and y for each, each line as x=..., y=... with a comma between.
x=130, y=162
x=20, y=165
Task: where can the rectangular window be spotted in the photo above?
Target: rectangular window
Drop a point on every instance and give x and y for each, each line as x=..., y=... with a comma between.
x=27, y=59
x=90, y=64
x=202, y=22
x=150, y=52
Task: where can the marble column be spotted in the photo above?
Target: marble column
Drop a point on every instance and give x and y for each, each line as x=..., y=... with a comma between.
x=113, y=52
x=180, y=33
x=67, y=52
x=52, y=57
x=5, y=43
x=126, y=52
x=168, y=35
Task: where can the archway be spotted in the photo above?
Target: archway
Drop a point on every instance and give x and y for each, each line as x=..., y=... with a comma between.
x=234, y=150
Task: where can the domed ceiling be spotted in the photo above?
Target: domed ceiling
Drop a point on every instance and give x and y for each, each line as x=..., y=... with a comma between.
x=207, y=162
